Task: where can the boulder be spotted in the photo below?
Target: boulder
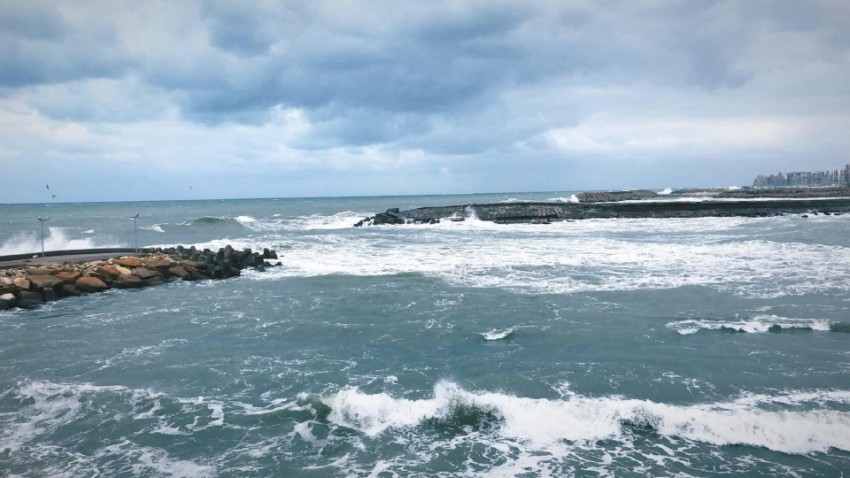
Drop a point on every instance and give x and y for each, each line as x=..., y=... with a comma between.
x=108, y=270
x=90, y=284
x=153, y=281
x=180, y=272
x=6, y=281
x=391, y=216
x=128, y=281
x=21, y=283
x=69, y=290
x=49, y=295
x=29, y=300
x=145, y=274
x=123, y=270
x=8, y=289
x=44, y=282
x=68, y=277
x=161, y=262
x=7, y=301
x=128, y=261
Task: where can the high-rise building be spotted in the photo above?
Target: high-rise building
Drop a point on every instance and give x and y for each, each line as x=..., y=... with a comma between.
x=838, y=177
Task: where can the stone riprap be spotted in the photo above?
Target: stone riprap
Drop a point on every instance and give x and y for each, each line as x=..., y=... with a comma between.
x=29, y=286
x=632, y=204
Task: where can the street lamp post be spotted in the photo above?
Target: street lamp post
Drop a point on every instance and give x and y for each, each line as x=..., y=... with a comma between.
x=41, y=221
x=136, y=230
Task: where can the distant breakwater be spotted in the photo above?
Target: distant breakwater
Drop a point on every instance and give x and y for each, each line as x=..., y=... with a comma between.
x=28, y=286
x=632, y=205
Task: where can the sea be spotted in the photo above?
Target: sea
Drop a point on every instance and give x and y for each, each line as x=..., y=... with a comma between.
x=597, y=348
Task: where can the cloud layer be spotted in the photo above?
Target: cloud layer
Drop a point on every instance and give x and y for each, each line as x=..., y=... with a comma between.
x=138, y=100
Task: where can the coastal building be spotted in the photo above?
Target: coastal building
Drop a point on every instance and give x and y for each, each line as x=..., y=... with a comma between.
x=838, y=177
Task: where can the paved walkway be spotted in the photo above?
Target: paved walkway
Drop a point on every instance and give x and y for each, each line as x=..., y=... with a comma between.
x=65, y=258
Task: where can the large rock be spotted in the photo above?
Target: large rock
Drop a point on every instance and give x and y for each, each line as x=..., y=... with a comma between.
x=90, y=284
x=44, y=282
x=7, y=301
x=21, y=283
x=110, y=270
x=161, y=263
x=69, y=290
x=49, y=295
x=6, y=281
x=180, y=272
x=391, y=216
x=29, y=299
x=68, y=277
x=128, y=281
x=128, y=261
x=145, y=274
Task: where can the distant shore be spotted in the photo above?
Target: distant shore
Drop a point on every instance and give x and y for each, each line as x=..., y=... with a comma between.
x=687, y=203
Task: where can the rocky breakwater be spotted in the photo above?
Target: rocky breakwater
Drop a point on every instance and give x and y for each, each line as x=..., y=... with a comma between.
x=627, y=204
x=29, y=286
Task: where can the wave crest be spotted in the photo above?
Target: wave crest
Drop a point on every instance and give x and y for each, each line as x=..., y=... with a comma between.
x=755, y=325
x=778, y=423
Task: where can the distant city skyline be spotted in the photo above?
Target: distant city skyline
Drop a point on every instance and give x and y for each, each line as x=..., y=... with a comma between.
x=205, y=99
x=835, y=177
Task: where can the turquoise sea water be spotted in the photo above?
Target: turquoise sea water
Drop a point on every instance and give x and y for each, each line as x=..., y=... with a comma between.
x=658, y=347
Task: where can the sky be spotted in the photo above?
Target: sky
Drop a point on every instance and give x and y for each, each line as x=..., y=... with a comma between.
x=109, y=100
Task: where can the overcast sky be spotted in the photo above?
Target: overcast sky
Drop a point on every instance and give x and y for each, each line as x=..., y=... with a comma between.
x=136, y=100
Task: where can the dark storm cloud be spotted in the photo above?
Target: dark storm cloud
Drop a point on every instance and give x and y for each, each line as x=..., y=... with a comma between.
x=508, y=86
x=32, y=21
x=39, y=46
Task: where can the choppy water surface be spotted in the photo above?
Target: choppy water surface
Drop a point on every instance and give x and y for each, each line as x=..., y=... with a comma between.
x=682, y=347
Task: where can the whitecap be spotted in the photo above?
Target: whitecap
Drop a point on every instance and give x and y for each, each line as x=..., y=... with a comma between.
x=497, y=334
x=55, y=239
x=245, y=220
x=789, y=422
x=756, y=324
x=154, y=228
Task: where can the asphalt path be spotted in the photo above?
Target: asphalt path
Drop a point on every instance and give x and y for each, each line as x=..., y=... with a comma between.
x=84, y=257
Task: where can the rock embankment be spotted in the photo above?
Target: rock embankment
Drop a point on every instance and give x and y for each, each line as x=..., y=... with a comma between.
x=29, y=286
x=547, y=212
x=614, y=196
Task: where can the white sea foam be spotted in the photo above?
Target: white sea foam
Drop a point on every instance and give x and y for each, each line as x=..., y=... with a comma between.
x=154, y=228
x=591, y=255
x=245, y=220
x=498, y=334
x=665, y=192
x=55, y=239
x=795, y=422
x=757, y=324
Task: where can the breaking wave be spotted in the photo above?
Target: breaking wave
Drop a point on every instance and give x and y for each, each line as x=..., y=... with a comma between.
x=793, y=422
x=758, y=324
x=497, y=334
x=55, y=239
